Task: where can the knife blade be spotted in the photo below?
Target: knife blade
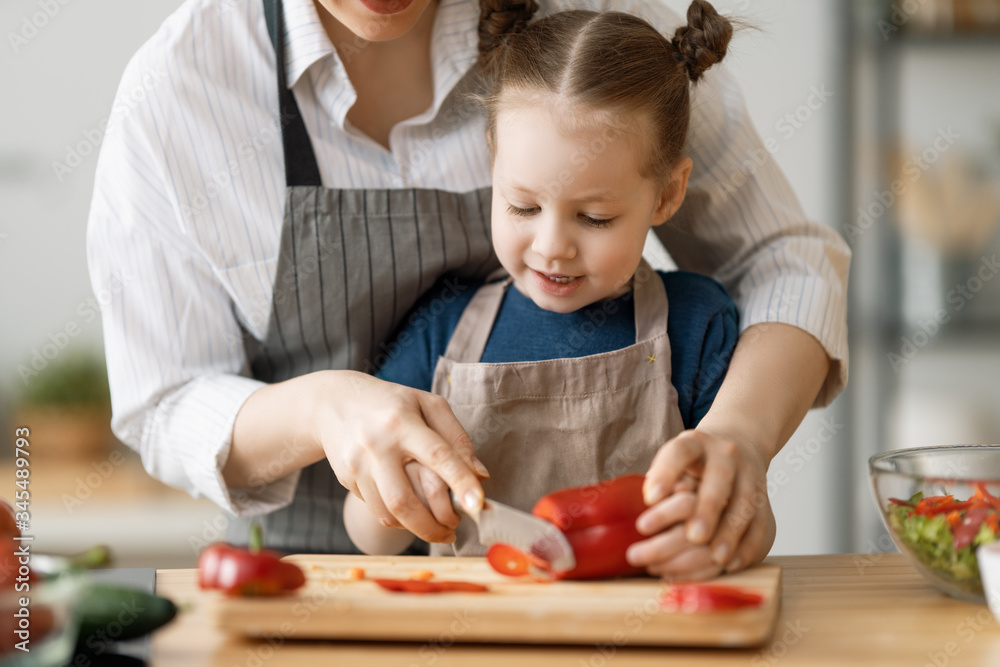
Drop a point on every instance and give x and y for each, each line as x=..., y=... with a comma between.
x=499, y=523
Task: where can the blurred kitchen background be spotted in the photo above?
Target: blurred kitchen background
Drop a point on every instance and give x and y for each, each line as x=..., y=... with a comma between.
x=884, y=116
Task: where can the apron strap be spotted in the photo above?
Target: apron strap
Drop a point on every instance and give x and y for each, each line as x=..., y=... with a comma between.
x=301, y=167
x=476, y=323
x=651, y=307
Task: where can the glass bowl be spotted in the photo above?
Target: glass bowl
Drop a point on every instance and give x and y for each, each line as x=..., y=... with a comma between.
x=929, y=535
x=51, y=625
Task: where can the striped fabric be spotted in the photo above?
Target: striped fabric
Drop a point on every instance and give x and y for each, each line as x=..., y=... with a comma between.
x=189, y=195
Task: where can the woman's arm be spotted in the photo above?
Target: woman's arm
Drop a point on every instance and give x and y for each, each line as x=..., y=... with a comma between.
x=776, y=373
x=369, y=430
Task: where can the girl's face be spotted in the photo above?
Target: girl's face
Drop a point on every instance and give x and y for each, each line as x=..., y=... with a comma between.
x=374, y=20
x=570, y=210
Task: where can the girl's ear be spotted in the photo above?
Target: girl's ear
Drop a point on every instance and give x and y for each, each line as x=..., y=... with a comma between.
x=672, y=195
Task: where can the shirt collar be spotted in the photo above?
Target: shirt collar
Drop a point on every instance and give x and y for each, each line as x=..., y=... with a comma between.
x=306, y=41
x=454, y=43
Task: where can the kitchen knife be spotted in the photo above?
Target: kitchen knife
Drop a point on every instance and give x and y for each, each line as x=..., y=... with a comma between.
x=499, y=523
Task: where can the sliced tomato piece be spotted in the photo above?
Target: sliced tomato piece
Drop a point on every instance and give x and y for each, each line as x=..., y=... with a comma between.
x=420, y=587
x=964, y=533
x=705, y=598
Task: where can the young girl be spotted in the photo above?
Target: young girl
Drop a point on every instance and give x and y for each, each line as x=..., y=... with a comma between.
x=556, y=372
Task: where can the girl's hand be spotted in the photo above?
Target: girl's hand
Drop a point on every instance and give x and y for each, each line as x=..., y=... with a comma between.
x=371, y=429
x=728, y=525
x=432, y=490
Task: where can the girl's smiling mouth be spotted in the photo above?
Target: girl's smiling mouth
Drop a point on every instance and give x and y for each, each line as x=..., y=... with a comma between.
x=556, y=284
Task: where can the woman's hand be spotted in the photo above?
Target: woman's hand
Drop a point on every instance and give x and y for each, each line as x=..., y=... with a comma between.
x=369, y=430
x=727, y=525
x=434, y=493
x=370, y=438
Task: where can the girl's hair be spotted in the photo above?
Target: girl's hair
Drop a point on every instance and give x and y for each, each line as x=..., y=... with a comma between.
x=608, y=61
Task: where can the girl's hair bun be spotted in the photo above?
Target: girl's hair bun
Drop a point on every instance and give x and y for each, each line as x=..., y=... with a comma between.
x=703, y=41
x=498, y=20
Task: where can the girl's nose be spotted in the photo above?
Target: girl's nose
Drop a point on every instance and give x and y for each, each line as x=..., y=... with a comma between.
x=553, y=239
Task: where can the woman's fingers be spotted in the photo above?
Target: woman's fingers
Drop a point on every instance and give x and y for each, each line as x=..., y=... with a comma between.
x=675, y=509
x=440, y=418
x=402, y=503
x=368, y=492
x=741, y=513
x=432, y=490
x=657, y=549
x=756, y=542
x=722, y=461
x=688, y=564
x=669, y=465
x=447, y=454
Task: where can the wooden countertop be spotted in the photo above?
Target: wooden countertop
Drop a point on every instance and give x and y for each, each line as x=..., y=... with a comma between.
x=841, y=609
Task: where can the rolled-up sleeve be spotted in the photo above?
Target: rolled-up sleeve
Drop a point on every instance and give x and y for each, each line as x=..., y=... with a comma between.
x=177, y=365
x=742, y=224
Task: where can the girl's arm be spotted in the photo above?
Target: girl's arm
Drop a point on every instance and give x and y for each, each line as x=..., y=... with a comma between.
x=368, y=534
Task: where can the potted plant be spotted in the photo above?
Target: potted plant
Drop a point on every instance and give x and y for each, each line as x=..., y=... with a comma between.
x=67, y=406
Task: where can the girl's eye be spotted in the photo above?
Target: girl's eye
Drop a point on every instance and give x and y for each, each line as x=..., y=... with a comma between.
x=514, y=210
x=596, y=222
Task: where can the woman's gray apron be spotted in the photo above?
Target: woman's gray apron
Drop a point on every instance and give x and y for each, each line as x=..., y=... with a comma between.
x=539, y=426
x=351, y=264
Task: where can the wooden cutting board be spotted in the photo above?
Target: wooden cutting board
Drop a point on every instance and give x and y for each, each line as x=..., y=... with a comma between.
x=611, y=613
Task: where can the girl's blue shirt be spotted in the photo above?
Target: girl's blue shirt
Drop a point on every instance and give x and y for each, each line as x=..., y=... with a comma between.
x=703, y=327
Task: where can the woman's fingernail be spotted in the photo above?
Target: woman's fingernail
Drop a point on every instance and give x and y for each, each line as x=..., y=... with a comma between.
x=652, y=494
x=735, y=565
x=720, y=553
x=480, y=468
x=473, y=501
x=697, y=532
x=450, y=539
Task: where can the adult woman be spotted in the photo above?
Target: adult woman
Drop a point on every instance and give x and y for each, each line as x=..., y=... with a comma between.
x=217, y=351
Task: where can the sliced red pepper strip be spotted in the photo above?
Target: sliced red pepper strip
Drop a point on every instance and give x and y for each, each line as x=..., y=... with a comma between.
x=986, y=496
x=944, y=509
x=705, y=598
x=507, y=560
x=421, y=587
x=897, y=501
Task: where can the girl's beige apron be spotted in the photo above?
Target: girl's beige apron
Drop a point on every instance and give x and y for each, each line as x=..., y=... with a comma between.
x=351, y=264
x=544, y=425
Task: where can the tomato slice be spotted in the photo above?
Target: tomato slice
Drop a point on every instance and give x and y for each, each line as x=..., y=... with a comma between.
x=507, y=560
x=420, y=587
x=706, y=598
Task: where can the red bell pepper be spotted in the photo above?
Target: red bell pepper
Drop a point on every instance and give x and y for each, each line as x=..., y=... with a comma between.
x=599, y=523
x=253, y=571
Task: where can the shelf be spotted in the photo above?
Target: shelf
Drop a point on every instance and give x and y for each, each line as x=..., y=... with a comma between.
x=977, y=39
